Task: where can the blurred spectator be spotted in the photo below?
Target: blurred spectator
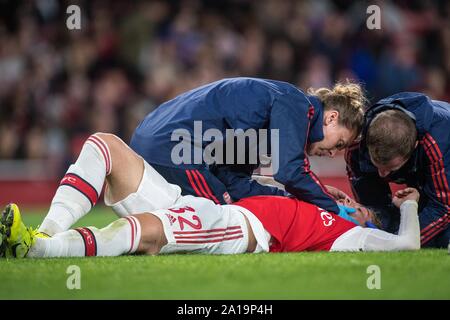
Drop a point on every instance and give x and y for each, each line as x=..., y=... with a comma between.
x=57, y=86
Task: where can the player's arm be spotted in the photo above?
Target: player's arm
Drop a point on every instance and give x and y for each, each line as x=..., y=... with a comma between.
x=408, y=237
x=290, y=115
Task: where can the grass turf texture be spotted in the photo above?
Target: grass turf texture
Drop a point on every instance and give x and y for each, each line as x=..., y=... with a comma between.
x=404, y=275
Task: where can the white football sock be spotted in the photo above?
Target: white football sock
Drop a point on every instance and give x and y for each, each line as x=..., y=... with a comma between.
x=80, y=188
x=120, y=237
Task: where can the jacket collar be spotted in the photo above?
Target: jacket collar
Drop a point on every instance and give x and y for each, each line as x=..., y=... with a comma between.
x=316, y=126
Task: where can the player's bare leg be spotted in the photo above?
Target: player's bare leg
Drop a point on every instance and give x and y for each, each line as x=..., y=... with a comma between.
x=105, y=157
x=152, y=234
x=127, y=172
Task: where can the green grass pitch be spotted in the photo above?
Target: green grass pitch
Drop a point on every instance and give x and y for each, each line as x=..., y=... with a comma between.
x=404, y=275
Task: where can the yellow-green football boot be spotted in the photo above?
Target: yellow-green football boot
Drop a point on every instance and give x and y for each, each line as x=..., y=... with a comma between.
x=19, y=238
x=3, y=243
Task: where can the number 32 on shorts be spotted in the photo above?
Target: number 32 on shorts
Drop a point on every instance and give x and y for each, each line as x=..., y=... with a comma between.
x=196, y=224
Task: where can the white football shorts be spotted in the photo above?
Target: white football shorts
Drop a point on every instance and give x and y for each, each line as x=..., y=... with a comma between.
x=198, y=225
x=191, y=224
x=154, y=192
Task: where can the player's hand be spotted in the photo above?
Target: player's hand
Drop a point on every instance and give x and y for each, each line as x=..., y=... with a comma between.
x=405, y=194
x=336, y=193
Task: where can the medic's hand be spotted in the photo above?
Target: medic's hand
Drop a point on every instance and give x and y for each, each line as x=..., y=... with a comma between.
x=336, y=193
x=344, y=212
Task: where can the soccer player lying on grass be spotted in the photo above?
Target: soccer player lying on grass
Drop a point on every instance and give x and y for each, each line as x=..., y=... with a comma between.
x=157, y=219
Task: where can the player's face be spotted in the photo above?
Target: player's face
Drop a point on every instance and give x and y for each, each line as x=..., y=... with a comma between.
x=362, y=214
x=336, y=137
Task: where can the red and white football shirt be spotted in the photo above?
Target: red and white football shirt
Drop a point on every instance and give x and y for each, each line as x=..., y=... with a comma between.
x=296, y=225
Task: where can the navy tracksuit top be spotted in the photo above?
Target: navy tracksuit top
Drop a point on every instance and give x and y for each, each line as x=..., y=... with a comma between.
x=427, y=169
x=242, y=103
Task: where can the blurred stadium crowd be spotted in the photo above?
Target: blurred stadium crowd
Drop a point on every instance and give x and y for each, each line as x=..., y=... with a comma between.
x=57, y=85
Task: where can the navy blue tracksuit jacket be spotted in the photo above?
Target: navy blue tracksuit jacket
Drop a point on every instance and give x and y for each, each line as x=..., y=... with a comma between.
x=236, y=103
x=427, y=169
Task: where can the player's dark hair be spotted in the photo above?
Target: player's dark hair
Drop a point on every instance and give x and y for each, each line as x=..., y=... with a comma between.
x=391, y=134
x=348, y=99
